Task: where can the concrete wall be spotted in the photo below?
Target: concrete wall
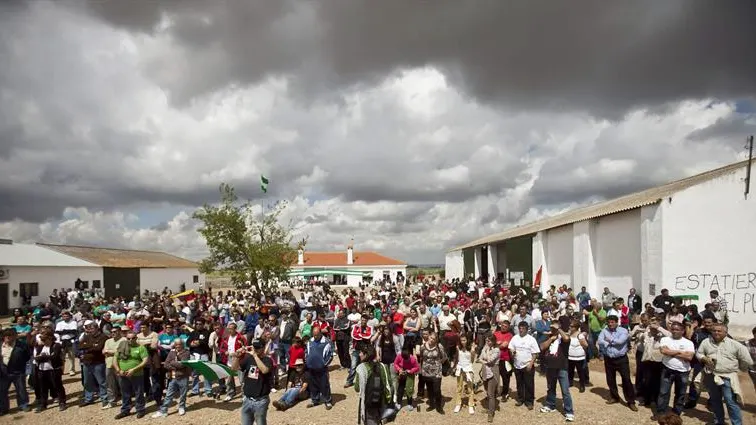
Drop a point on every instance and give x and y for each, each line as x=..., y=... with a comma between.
x=559, y=256
x=583, y=261
x=157, y=279
x=47, y=278
x=454, y=265
x=618, y=252
x=709, y=236
x=652, y=254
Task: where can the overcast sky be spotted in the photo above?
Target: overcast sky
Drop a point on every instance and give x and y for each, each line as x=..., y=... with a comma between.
x=411, y=125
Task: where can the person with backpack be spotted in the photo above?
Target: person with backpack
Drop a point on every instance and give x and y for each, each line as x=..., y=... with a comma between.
x=375, y=389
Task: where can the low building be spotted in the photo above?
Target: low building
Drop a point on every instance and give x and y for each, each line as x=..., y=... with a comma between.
x=348, y=267
x=31, y=272
x=690, y=236
x=36, y=269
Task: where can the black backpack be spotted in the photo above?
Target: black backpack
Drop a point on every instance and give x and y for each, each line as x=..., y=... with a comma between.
x=374, y=397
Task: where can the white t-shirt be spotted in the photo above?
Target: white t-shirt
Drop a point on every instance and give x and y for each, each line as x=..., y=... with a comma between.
x=682, y=344
x=525, y=347
x=576, y=351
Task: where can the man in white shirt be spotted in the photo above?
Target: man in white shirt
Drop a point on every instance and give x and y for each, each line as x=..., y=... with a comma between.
x=678, y=351
x=524, y=350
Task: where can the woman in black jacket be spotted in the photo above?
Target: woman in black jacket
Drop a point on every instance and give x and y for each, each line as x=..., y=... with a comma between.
x=48, y=359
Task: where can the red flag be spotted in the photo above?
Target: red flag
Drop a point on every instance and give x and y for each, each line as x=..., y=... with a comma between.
x=537, y=281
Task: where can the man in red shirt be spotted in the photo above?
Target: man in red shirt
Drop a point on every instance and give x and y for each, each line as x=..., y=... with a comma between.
x=503, y=336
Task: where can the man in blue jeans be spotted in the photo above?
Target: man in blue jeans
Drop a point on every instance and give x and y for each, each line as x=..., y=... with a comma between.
x=555, y=351
x=298, y=380
x=93, y=364
x=14, y=371
x=678, y=351
x=179, y=379
x=257, y=380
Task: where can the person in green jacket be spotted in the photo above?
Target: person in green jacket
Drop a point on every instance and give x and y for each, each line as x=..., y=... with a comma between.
x=596, y=322
x=369, y=364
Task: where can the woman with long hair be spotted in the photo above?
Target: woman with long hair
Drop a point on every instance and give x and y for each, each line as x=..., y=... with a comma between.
x=489, y=357
x=463, y=370
x=385, y=346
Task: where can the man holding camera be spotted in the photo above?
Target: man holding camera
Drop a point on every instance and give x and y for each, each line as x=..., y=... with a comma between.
x=257, y=380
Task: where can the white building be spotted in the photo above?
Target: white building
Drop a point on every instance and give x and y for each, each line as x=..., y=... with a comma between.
x=38, y=269
x=689, y=236
x=34, y=271
x=348, y=267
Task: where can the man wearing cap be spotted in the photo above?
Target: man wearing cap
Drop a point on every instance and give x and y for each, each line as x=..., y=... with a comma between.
x=93, y=363
x=298, y=380
x=257, y=381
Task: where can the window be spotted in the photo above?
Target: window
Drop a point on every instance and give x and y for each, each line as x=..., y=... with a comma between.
x=96, y=284
x=195, y=279
x=84, y=284
x=29, y=289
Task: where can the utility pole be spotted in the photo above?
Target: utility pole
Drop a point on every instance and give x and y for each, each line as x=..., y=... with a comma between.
x=749, y=145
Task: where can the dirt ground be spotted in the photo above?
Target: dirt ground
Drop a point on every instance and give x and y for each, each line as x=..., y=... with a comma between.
x=590, y=408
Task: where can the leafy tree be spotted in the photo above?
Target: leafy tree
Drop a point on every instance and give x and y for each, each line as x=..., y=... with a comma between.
x=245, y=246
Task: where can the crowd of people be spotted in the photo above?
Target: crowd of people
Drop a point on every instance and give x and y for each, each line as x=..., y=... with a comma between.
x=398, y=341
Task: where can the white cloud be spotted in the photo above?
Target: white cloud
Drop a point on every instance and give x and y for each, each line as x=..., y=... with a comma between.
x=408, y=164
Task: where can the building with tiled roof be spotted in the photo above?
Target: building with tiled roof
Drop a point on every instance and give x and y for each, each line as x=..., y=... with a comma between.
x=29, y=272
x=348, y=267
x=689, y=236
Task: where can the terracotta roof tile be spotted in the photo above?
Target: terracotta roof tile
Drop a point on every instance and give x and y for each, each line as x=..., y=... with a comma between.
x=361, y=258
x=122, y=258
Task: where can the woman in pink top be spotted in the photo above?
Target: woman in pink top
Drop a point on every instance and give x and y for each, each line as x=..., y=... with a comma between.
x=407, y=368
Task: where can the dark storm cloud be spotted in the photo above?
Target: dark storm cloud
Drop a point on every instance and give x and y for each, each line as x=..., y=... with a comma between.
x=730, y=128
x=602, y=56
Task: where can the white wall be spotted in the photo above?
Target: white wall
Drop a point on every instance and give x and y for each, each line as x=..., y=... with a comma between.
x=454, y=265
x=583, y=263
x=48, y=278
x=559, y=256
x=709, y=235
x=377, y=273
x=652, y=254
x=540, y=248
x=157, y=279
x=617, y=255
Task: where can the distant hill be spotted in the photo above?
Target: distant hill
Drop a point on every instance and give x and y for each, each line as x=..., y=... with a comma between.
x=425, y=266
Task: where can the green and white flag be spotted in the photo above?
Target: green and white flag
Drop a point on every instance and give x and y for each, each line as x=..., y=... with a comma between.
x=211, y=371
x=264, y=184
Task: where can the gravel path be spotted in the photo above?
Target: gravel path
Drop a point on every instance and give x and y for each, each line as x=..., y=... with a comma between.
x=590, y=408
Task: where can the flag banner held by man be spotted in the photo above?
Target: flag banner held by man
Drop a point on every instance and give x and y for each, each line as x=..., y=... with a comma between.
x=211, y=371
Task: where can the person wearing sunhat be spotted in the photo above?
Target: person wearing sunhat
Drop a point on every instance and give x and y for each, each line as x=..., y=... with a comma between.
x=297, y=380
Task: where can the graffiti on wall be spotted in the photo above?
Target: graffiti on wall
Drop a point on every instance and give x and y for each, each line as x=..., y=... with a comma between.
x=739, y=290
